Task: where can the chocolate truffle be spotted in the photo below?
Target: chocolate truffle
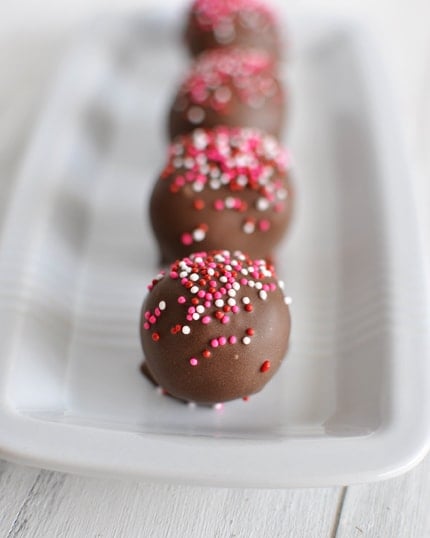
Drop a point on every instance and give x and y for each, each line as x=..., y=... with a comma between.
x=214, y=327
x=222, y=188
x=215, y=24
x=237, y=88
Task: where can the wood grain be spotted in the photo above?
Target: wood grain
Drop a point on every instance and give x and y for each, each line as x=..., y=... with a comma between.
x=15, y=483
x=397, y=508
x=69, y=506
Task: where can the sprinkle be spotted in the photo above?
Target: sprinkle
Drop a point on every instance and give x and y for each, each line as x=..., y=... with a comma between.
x=232, y=340
x=222, y=340
x=219, y=407
x=206, y=354
x=264, y=225
x=288, y=300
x=196, y=115
x=199, y=234
x=155, y=337
x=250, y=332
x=265, y=366
x=181, y=300
x=206, y=320
x=262, y=294
x=186, y=239
x=186, y=329
x=246, y=300
x=214, y=342
x=194, y=361
x=246, y=340
x=162, y=305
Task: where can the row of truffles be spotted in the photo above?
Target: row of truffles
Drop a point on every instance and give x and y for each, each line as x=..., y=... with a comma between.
x=215, y=323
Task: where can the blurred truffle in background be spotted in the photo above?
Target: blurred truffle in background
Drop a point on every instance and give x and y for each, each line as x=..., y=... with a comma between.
x=215, y=24
x=232, y=87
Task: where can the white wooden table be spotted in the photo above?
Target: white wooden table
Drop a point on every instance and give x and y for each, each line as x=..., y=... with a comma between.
x=36, y=503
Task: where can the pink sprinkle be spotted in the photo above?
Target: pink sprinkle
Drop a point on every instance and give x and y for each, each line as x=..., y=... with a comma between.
x=225, y=320
x=222, y=340
x=147, y=314
x=146, y=325
x=174, y=275
x=217, y=295
x=244, y=281
x=235, y=309
x=219, y=406
x=207, y=304
x=214, y=342
x=232, y=340
x=157, y=312
x=201, y=294
x=264, y=225
x=181, y=299
x=186, y=239
x=206, y=320
x=152, y=319
x=189, y=317
x=194, y=361
x=219, y=205
x=212, y=284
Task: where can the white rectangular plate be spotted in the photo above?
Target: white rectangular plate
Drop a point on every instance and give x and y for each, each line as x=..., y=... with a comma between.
x=351, y=402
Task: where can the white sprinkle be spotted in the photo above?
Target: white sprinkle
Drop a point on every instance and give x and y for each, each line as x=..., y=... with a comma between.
x=211, y=271
x=223, y=279
x=258, y=285
x=236, y=285
x=246, y=300
x=229, y=202
x=288, y=300
x=183, y=274
x=232, y=293
x=281, y=284
x=186, y=329
x=196, y=115
x=231, y=301
x=192, y=405
x=262, y=294
x=200, y=309
x=246, y=340
x=194, y=289
x=198, y=259
x=196, y=316
x=248, y=227
x=198, y=186
x=194, y=277
x=215, y=184
x=162, y=305
x=251, y=283
x=219, y=303
x=223, y=94
x=262, y=204
x=199, y=235
x=282, y=194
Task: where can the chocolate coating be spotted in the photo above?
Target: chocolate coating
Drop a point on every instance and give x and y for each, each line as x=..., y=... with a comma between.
x=215, y=24
x=222, y=188
x=236, y=88
x=215, y=327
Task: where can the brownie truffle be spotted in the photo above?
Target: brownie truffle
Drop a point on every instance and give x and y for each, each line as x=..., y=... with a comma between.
x=214, y=327
x=222, y=188
x=237, y=88
x=215, y=24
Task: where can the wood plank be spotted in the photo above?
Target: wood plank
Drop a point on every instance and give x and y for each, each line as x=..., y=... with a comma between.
x=394, y=508
x=15, y=483
x=65, y=505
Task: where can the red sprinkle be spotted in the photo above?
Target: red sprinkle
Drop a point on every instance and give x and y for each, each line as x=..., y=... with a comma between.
x=206, y=354
x=155, y=337
x=250, y=332
x=265, y=366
